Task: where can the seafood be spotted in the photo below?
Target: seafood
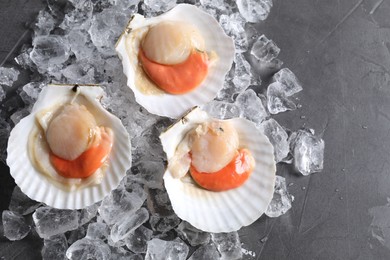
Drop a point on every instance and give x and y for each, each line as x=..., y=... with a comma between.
x=213, y=199
x=69, y=152
x=176, y=60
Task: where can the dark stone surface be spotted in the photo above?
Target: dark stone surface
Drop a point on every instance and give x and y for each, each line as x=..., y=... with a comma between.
x=340, y=52
x=16, y=17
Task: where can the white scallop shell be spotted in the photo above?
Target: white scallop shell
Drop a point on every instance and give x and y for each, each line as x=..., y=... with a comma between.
x=174, y=106
x=38, y=186
x=228, y=210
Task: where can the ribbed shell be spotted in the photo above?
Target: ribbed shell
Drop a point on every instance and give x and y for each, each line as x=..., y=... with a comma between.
x=229, y=210
x=174, y=106
x=39, y=187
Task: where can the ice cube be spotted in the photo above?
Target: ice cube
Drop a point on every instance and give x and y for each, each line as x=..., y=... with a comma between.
x=8, y=76
x=208, y=251
x=239, y=78
x=136, y=119
x=50, y=221
x=160, y=250
x=148, y=172
x=106, y=28
x=216, y=4
x=222, y=109
x=254, y=10
x=278, y=138
x=53, y=74
x=49, y=50
x=135, y=188
x=228, y=245
x=160, y=5
x=88, y=249
x=97, y=231
x=80, y=73
x=137, y=240
x=163, y=223
x=128, y=5
x=81, y=4
x=308, y=151
x=111, y=71
x=158, y=202
x=54, y=247
x=289, y=81
x=18, y=115
x=80, y=17
x=123, y=228
x=118, y=204
x=2, y=94
x=57, y=7
x=242, y=73
x=80, y=45
x=119, y=253
x=218, y=7
x=88, y=213
x=120, y=243
x=281, y=201
x=191, y=234
x=76, y=234
x=5, y=129
x=14, y=224
x=135, y=257
x=21, y=203
x=264, y=49
x=45, y=23
x=30, y=92
x=152, y=148
x=267, y=68
x=233, y=26
x=277, y=100
x=251, y=106
x=24, y=60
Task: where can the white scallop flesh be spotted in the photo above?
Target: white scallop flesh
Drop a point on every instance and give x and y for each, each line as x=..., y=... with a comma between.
x=214, y=145
x=180, y=163
x=171, y=42
x=71, y=131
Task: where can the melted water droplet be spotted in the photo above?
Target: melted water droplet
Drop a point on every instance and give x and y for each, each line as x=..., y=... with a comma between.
x=264, y=239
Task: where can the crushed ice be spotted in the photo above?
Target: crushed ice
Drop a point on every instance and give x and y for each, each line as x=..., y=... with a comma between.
x=282, y=200
x=74, y=42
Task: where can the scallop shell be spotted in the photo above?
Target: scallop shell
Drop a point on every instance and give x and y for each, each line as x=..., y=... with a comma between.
x=228, y=210
x=37, y=185
x=174, y=106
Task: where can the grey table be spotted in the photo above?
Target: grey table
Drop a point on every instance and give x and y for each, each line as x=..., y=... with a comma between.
x=340, y=50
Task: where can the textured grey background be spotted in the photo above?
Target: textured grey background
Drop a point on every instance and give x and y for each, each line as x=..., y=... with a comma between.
x=340, y=50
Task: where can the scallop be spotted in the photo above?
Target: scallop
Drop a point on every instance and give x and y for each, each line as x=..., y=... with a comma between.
x=68, y=126
x=213, y=145
x=69, y=133
x=223, y=211
x=171, y=39
x=171, y=42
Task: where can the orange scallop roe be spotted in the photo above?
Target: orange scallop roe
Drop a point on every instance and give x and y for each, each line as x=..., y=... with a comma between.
x=177, y=78
x=233, y=175
x=88, y=162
